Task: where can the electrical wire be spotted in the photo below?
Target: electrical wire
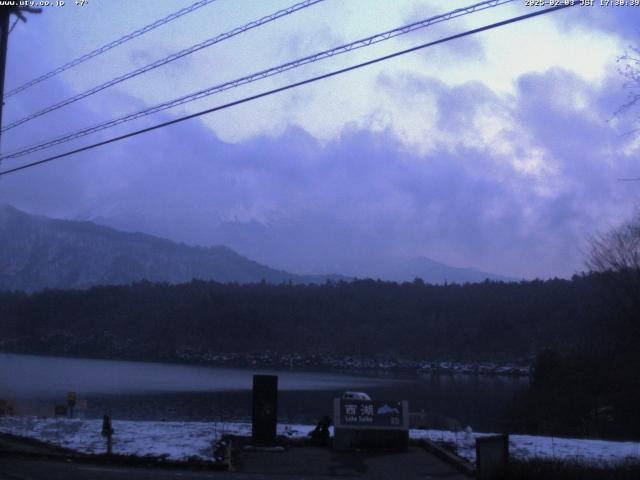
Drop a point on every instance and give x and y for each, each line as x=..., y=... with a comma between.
x=108, y=46
x=363, y=42
x=158, y=63
x=290, y=86
x=14, y=24
x=163, y=61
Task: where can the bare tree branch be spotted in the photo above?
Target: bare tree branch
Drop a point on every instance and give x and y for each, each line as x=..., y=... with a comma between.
x=616, y=256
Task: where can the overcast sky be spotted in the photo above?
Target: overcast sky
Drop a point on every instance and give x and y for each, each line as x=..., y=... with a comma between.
x=500, y=151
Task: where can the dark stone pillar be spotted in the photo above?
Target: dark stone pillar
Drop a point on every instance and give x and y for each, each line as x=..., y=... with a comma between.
x=265, y=409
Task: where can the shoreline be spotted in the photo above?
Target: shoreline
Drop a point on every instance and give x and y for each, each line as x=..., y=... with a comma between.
x=309, y=363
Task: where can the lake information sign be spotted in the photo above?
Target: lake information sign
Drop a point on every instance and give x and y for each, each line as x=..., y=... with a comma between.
x=370, y=424
x=368, y=413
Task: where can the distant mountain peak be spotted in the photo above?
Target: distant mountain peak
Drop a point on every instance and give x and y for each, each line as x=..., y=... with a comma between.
x=432, y=271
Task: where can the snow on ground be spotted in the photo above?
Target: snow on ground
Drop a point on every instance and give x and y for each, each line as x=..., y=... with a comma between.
x=600, y=452
x=184, y=440
x=172, y=440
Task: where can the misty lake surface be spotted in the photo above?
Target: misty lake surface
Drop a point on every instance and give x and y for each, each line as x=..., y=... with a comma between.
x=158, y=391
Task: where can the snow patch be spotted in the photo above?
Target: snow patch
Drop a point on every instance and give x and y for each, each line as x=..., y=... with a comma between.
x=527, y=447
x=185, y=440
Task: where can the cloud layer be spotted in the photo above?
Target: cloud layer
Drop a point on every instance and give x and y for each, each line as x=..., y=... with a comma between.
x=490, y=153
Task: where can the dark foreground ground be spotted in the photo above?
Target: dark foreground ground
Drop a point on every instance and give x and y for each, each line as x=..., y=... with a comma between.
x=295, y=463
x=557, y=470
x=21, y=460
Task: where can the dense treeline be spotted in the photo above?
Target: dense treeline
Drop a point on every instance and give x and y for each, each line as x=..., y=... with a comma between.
x=591, y=393
x=490, y=321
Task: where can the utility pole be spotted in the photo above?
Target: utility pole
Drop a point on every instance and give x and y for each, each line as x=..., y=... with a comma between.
x=4, y=40
x=5, y=17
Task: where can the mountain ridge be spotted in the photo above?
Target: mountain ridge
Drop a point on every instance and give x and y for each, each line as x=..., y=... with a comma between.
x=41, y=252
x=432, y=271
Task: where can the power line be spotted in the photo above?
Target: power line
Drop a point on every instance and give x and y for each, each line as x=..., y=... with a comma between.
x=163, y=61
x=289, y=87
x=13, y=25
x=363, y=42
x=109, y=46
x=5, y=18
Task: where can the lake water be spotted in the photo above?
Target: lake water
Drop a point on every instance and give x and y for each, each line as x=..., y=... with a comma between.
x=156, y=391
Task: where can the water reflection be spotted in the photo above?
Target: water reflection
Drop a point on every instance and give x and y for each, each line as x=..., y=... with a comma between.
x=28, y=375
x=152, y=391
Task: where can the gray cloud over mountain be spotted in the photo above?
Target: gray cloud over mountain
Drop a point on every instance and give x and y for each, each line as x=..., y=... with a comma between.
x=508, y=183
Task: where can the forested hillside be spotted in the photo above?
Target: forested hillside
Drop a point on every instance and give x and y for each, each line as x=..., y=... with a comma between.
x=39, y=252
x=488, y=321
